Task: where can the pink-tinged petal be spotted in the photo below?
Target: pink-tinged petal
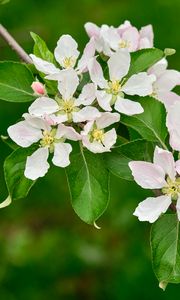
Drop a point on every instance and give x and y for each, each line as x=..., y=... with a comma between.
x=110, y=36
x=61, y=154
x=110, y=138
x=42, y=106
x=23, y=134
x=146, y=32
x=128, y=107
x=38, y=88
x=87, y=113
x=119, y=64
x=178, y=166
x=168, y=80
x=95, y=147
x=66, y=49
x=88, y=95
x=168, y=98
x=106, y=119
x=178, y=208
x=173, y=120
x=148, y=175
x=131, y=36
x=151, y=208
x=124, y=27
x=139, y=84
x=36, y=164
x=68, y=84
x=104, y=100
x=92, y=29
x=165, y=160
x=174, y=139
x=88, y=53
x=43, y=65
x=158, y=68
x=67, y=132
x=96, y=73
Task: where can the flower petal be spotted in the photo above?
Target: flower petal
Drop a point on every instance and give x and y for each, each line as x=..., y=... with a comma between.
x=95, y=147
x=131, y=36
x=110, y=138
x=178, y=208
x=106, y=119
x=146, y=32
x=88, y=53
x=66, y=50
x=42, y=106
x=165, y=160
x=168, y=80
x=158, y=68
x=36, y=164
x=23, y=134
x=104, y=100
x=139, y=84
x=87, y=113
x=92, y=29
x=119, y=64
x=88, y=94
x=43, y=65
x=67, y=132
x=148, y=175
x=96, y=73
x=68, y=84
x=178, y=166
x=128, y=107
x=151, y=208
x=61, y=154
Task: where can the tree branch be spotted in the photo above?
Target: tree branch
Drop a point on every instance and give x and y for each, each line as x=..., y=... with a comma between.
x=14, y=45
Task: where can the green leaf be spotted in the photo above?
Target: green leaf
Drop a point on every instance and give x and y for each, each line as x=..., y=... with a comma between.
x=15, y=82
x=41, y=50
x=117, y=160
x=18, y=185
x=165, y=246
x=151, y=124
x=4, y=1
x=88, y=181
x=143, y=59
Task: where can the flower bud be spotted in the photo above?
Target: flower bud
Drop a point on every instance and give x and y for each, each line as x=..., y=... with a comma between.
x=169, y=51
x=38, y=88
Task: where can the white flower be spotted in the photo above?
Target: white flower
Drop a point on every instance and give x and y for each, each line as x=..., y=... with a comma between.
x=50, y=140
x=95, y=138
x=165, y=82
x=173, y=125
x=161, y=174
x=126, y=36
x=67, y=107
x=112, y=91
x=66, y=54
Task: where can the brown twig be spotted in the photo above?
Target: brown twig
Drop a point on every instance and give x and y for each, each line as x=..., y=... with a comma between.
x=14, y=45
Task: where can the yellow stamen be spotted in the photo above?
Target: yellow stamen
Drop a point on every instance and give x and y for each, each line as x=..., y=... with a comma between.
x=69, y=62
x=98, y=135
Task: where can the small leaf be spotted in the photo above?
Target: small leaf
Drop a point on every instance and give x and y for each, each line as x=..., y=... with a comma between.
x=41, y=50
x=117, y=160
x=15, y=82
x=89, y=185
x=18, y=185
x=165, y=246
x=143, y=59
x=151, y=124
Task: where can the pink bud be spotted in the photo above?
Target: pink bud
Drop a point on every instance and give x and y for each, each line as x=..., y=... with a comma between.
x=38, y=88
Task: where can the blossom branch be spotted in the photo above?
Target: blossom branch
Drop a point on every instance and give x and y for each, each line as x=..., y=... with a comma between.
x=14, y=45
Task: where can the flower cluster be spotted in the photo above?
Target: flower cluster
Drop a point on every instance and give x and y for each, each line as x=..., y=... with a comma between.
x=86, y=110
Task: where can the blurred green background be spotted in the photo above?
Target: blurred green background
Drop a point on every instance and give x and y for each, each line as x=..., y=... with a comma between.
x=46, y=252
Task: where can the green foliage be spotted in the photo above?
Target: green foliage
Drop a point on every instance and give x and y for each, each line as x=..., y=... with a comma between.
x=165, y=245
x=15, y=82
x=88, y=181
x=117, y=161
x=18, y=185
x=151, y=124
x=143, y=59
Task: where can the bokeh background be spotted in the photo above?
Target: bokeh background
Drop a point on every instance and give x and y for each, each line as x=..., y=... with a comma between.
x=46, y=252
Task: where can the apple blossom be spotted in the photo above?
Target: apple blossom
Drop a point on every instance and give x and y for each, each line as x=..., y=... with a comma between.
x=95, y=138
x=173, y=125
x=66, y=107
x=166, y=80
x=112, y=92
x=38, y=88
x=66, y=54
x=51, y=140
x=162, y=174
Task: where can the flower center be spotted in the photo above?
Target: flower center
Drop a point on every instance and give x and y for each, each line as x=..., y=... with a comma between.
x=172, y=188
x=97, y=135
x=114, y=87
x=69, y=62
x=68, y=106
x=48, y=138
x=124, y=44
